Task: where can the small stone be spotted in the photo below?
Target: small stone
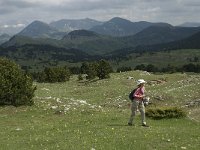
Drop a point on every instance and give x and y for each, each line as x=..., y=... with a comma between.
x=18, y=129
x=183, y=147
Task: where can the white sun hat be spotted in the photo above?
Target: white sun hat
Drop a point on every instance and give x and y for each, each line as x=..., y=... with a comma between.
x=140, y=81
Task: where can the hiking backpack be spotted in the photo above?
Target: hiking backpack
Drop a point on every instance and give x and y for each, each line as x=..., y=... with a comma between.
x=131, y=94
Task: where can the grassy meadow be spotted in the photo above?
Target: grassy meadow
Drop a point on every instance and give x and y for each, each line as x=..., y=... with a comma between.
x=93, y=115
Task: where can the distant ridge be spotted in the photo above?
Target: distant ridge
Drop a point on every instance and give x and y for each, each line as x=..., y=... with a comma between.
x=190, y=24
x=68, y=25
x=38, y=29
x=160, y=34
x=122, y=27
x=80, y=36
x=4, y=38
x=85, y=33
x=192, y=42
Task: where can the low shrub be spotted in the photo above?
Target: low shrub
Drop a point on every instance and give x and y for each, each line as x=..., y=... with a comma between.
x=16, y=88
x=165, y=112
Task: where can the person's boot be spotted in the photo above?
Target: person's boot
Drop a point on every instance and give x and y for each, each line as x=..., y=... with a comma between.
x=145, y=125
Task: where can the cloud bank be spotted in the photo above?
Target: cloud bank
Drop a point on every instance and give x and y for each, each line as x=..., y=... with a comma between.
x=171, y=11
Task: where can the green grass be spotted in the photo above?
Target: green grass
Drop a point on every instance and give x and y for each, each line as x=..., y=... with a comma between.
x=93, y=115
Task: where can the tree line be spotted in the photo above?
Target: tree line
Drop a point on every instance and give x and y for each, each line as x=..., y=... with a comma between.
x=168, y=69
x=100, y=69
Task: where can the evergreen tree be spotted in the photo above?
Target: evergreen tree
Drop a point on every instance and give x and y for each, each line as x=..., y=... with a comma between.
x=103, y=69
x=89, y=69
x=140, y=67
x=151, y=68
x=170, y=69
x=92, y=71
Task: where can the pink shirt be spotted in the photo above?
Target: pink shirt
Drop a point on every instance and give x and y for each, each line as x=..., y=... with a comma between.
x=139, y=93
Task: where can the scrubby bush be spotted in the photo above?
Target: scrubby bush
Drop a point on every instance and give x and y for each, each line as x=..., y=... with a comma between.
x=140, y=67
x=52, y=75
x=167, y=112
x=91, y=71
x=75, y=70
x=149, y=68
x=191, y=68
x=16, y=88
x=80, y=77
x=99, y=69
x=124, y=69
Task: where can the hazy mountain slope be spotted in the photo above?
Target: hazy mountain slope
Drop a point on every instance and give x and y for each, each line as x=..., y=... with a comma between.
x=119, y=27
x=38, y=29
x=4, y=38
x=91, y=42
x=11, y=29
x=190, y=24
x=80, y=35
x=159, y=34
x=67, y=25
x=19, y=40
x=122, y=27
x=192, y=42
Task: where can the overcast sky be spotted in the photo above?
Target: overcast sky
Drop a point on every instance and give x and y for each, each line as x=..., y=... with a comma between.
x=170, y=11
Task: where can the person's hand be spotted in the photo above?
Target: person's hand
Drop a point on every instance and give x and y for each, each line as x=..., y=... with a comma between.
x=142, y=96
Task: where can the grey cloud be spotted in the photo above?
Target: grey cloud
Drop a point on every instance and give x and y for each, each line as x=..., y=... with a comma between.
x=171, y=11
x=16, y=11
x=193, y=4
x=80, y=5
x=17, y=3
x=10, y=6
x=4, y=11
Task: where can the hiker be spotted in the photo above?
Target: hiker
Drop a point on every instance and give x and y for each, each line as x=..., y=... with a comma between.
x=138, y=103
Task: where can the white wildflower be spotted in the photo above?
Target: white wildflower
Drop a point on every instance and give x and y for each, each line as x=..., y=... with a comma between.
x=54, y=107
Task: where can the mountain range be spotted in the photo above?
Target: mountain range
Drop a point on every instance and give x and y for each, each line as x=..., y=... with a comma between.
x=122, y=27
x=92, y=40
x=94, y=43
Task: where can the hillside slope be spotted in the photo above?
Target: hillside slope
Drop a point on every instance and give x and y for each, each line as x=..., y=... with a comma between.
x=96, y=114
x=122, y=27
x=160, y=34
x=38, y=29
x=192, y=42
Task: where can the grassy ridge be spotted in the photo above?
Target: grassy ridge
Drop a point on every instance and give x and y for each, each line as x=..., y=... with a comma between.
x=162, y=59
x=93, y=115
